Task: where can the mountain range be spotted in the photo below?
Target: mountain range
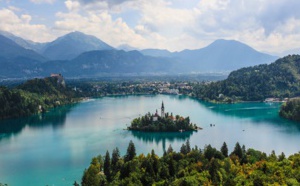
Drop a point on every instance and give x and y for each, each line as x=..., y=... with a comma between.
x=79, y=55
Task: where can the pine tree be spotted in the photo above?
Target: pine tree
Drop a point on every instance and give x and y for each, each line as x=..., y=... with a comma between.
x=170, y=149
x=107, y=168
x=183, y=149
x=224, y=149
x=188, y=146
x=115, y=157
x=281, y=156
x=130, y=152
x=238, y=150
x=209, y=152
x=244, y=156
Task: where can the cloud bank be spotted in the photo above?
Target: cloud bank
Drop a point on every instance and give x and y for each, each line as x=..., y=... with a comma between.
x=271, y=26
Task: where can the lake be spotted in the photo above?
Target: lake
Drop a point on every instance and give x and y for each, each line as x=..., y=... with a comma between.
x=56, y=147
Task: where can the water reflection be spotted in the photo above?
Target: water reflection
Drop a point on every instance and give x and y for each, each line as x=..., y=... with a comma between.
x=55, y=117
x=157, y=137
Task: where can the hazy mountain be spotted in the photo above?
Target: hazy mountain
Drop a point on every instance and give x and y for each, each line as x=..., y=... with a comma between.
x=156, y=52
x=97, y=63
x=11, y=50
x=126, y=47
x=16, y=61
x=27, y=44
x=221, y=55
x=73, y=44
x=77, y=54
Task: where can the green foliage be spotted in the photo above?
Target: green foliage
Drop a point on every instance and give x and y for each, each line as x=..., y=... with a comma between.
x=279, y=79
x=16, y=103
x=291, y=109
x=92, y=176
x=197, y=168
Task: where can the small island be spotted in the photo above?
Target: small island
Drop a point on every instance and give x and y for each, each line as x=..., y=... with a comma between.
x=162, y=123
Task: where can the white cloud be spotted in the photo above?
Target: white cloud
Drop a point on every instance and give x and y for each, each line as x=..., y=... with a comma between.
x=13, y=8
x=43, y=1
x=265, y=25
x=21, y=26
x=26, y=18
x=162, y=25
x=114, y=32
x=72, y=5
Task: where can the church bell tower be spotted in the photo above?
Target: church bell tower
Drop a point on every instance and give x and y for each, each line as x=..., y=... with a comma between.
x=162, y=110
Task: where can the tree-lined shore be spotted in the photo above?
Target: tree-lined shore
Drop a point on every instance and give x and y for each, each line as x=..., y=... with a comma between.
x=193, y=166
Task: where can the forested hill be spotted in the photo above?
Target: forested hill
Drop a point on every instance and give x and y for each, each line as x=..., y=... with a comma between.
x=279, y=79
x=34, y=96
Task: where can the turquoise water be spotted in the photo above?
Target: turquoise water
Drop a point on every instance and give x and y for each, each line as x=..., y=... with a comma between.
x=54, y=148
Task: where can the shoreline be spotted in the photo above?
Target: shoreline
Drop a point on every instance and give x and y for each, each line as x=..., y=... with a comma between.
x=150, y=131
x=82, y=99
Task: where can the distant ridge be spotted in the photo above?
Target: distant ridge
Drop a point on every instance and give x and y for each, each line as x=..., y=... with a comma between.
x=101, y=62
x=157, y=52
x=221, y=55
x=126, y=48
x=16, y=61
x=27, y=44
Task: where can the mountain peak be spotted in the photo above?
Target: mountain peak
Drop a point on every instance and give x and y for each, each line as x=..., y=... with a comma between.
x=230, y=42
x=77, y=34
x=73, y=44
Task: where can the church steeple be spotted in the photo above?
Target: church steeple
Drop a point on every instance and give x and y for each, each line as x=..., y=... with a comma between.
x=162, y=110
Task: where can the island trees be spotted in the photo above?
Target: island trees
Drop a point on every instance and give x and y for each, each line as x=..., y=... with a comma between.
x=162, y=123
x=166, y=124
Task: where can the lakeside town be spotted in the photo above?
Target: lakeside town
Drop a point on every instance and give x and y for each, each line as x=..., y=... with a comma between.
x=152, y=87
x=125, y=88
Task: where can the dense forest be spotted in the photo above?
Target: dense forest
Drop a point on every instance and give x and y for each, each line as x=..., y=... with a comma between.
x=279, y=79
x=193, y=166
x=33, y=96
x=291, y=109
x=169, y=123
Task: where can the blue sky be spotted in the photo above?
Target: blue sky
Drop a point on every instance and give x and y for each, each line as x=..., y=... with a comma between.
x=270, y=26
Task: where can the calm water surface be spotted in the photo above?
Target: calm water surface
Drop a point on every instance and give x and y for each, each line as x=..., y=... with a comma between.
x=54, y=148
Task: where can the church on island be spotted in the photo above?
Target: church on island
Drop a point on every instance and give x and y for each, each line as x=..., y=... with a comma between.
x=155, y=116
x=164, y=122
x=163, y=114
